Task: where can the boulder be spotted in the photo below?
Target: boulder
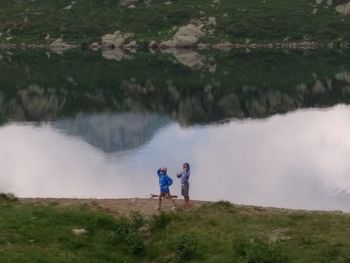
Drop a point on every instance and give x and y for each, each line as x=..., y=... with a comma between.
x=116, y=40
x=192, y=59
x=152, y=44
x=226, y=46
x=95, y=46
x=189, y=58
x=318, y=87
x=343, y=76
x=117, y=54
x=186, y=36
x=79, y=231
x=59, y=46
x=127, y=3
x=343, y=9
x=131, y=45
x=211, y=21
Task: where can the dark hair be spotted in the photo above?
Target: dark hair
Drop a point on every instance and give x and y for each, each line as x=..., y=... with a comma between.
x=188, y=165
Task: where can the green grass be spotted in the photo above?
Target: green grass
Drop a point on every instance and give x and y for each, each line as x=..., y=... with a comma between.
x=218, y=232
x=257, y=20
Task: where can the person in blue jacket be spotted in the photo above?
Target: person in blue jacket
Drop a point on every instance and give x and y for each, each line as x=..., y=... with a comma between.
x=164, y=182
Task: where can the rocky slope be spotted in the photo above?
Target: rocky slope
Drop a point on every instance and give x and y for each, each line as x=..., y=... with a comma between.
x=179, y=23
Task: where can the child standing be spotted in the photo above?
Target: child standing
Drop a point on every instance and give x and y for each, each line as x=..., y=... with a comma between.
x=164, y=182
x=185, y=185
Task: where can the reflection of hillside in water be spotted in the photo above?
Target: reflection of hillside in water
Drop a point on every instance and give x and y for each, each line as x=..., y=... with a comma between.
x=113, y=132
x=36, y=88
x=33, y=103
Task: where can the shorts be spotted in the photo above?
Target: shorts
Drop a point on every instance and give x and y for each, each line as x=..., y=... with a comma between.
x=185, y=189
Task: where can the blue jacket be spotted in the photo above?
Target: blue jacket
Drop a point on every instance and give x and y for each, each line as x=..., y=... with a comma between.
x=164, y=182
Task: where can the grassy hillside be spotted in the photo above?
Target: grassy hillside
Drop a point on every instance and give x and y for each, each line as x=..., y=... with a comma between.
x=218, y=232
x=85, y=21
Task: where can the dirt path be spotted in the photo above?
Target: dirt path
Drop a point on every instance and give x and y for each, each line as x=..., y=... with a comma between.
x=115, y=206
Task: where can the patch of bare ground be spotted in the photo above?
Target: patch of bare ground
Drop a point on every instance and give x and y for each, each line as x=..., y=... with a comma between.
x=117, y=207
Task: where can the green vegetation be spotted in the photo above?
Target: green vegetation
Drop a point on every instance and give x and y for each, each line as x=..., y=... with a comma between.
x=87, y=20
x=218, y=232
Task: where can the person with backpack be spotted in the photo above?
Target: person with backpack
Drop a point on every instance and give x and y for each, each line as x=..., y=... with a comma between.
x=165, y=182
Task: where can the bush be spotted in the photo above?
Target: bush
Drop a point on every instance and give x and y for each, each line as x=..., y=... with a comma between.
x=120, y=232
x=8, y=197
x=135, y=243
x=186, y=247
x=160, y=221
x=224, y=204
x=103, y=222
x=137, y=221
x=257, y=251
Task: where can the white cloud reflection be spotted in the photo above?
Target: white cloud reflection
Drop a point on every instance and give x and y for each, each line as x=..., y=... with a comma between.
x=297, y=160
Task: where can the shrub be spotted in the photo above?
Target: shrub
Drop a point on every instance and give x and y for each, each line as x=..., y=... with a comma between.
x=224, y=206
x=135, y=243
x=8, y=197
x=160, y=221
x=120, y=232
x=257, y=251
x=186, y=247
x=103, y=222
x=137, y=221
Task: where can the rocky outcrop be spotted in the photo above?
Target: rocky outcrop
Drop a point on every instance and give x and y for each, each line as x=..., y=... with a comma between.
x=188, y=57
x=192, y=59
x=343, y=76
x=117, y=39
x=343, y=8
x=186, y=36
x=189, y=35
x=117, y=54
x=225, y=46
x=79, y=231
x=128, y=3
x=59, y=46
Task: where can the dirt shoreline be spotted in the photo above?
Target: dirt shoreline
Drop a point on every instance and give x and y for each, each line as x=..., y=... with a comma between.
x=118, y=207
x=146, y=206
x=199, y=46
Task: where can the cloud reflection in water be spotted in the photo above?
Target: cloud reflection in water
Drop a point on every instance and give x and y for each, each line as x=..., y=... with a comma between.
x=297, y=160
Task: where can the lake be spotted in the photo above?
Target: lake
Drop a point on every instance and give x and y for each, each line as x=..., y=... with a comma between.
x=259, y=127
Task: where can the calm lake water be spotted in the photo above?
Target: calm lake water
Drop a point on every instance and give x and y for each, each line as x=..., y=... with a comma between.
x=262, y=128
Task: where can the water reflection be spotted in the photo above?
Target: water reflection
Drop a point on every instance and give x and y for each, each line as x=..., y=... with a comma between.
x=297, y=160
x=113, y=132
x=192, y=87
